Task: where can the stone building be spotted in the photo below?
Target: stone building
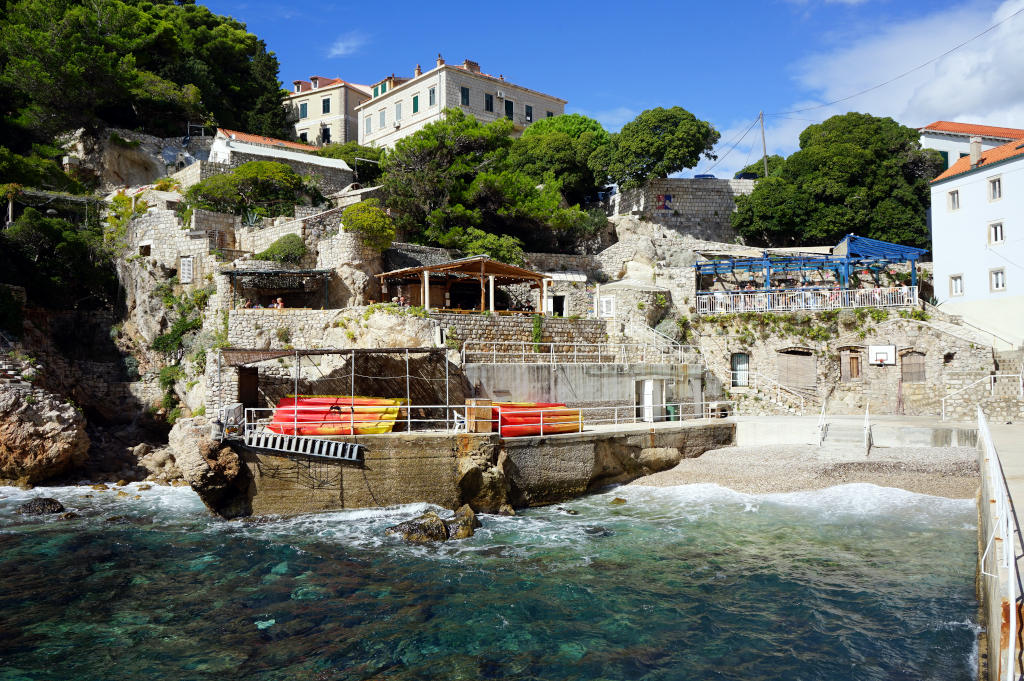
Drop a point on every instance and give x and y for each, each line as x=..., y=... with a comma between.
x=325, y=109
x=399, y=106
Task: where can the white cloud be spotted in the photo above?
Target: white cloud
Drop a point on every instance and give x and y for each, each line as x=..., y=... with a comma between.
x=612, y=119
x=347, y=44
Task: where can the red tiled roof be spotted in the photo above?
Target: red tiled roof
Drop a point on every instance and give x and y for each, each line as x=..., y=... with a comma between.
x=988, y=157
x=971, y=129
x=265, y=141
x=307, y=86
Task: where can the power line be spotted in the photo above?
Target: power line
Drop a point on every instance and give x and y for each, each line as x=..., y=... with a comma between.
x=905, y=73
x=722, y=158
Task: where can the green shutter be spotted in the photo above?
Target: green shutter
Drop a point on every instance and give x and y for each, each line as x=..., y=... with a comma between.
x=383, y=88
x=375, y=93
x=945, y=158
x=415, y=103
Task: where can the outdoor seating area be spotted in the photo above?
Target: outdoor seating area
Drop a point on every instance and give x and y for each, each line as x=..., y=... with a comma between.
x=278, y=289
x=463, y=286
x=860, y=272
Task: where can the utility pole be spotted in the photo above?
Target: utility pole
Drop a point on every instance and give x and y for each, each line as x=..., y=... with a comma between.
x=764, y=147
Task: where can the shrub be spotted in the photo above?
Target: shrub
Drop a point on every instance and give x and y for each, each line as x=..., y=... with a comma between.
x=370, y=222
x=289, y=249
x=284, y=335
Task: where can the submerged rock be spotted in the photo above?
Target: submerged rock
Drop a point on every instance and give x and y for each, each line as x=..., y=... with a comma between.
x=41, y=506
x=463, y=524
x=618, y=501
x=214, y=471
x=425, y=529
x=41, y=435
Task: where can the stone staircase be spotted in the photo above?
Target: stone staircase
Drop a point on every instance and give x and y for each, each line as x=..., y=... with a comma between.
x=844, y=436
x=10, y=374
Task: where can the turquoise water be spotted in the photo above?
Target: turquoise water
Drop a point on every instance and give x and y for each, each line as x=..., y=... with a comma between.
x=693, y=582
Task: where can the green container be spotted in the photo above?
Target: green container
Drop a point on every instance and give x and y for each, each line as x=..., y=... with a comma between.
x=673, y=414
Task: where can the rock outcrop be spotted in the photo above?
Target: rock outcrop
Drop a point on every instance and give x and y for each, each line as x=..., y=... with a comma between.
x=430, y=527
x=41, y=506
x=41, y=436
x=212, y=469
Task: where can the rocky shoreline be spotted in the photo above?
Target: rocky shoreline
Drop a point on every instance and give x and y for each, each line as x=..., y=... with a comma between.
x=939, y=471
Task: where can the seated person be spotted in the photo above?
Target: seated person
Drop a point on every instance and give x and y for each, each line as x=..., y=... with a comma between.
x=279, y=304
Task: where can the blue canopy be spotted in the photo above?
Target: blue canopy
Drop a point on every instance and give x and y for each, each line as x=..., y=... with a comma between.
x=852, y=253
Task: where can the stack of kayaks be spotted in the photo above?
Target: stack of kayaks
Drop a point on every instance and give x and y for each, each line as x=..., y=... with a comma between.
x=516, y=419
x=321, y=415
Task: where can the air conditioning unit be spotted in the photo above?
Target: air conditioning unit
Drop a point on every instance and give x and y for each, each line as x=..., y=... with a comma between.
x=501, y=94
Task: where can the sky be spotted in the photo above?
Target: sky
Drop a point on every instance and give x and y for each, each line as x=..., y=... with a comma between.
x=723, y=61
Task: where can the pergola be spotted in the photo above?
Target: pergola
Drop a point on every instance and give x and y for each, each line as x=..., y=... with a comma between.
x=489, y=273
x=852, y=253
x=279, y=281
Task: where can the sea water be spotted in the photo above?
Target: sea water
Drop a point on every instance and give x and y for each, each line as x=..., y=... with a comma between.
x=690, y=582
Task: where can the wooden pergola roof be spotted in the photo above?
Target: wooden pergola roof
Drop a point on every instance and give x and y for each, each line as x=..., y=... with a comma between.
x=234, y=357
x=476, y=267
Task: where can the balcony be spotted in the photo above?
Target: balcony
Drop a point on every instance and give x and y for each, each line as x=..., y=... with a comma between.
x=812, y=300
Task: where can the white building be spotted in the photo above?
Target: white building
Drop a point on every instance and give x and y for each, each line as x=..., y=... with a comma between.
x=399, y=107
x=232, y=147
x=953, y=140
x=325, y=109
x=977, y=215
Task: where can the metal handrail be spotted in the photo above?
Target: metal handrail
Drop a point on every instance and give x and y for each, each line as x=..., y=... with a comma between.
x=991, y=380
x=528, y=352
x=1006, y=527
x=867, y=428
x=726, y=302
x=822, y=424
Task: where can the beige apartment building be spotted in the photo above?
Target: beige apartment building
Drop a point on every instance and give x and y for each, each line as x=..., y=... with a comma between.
x=398, y=107
x=325, y=109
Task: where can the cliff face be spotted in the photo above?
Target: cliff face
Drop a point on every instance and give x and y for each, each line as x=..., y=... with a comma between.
x=41, y=435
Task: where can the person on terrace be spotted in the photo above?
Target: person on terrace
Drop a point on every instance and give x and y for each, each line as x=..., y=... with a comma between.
x=279, y=304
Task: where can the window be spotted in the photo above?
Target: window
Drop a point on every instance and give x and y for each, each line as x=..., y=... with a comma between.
x=962, y=154
x=398, y=111
x=956, y=285
x=376, y=91
x=186, y=270
x=383, y=119
x=303, y=110
x=551, y=114
x=325, y=105
x=953, y=200
x=368, y=125
x=739, y=363
x=606, y=307
x=995, y=189
x=913, y=367
x=304, y=137
x=945, y=158
x=146, y=250
x=465, y=96
x=510, y=108
x=431, y=96
x=997, y=279
x=415, y=103
x=995, y=233
x=529, y=113
x=383, y=88
x=325, y=135
x=488, y=102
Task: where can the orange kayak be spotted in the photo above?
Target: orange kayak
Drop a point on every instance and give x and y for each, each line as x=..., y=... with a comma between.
x=334, y=415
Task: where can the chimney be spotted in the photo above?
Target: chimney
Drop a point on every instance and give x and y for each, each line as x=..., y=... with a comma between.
x=975, y=151
x=471, y=66
x=440, y=59
x=417, y=72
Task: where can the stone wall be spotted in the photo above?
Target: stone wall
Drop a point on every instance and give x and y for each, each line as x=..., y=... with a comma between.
x=328, y=180
x=519, y=328
x=689, y=206
x=354, y=264
x=199, y=171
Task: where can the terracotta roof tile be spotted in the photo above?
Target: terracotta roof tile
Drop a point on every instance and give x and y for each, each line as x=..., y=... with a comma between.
x=988, y=157
x=265, y=141
x=972, y=129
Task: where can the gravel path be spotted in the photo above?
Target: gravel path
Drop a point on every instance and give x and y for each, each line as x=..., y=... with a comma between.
x=940, y=471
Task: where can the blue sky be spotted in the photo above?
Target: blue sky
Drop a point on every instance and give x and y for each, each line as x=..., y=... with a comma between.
x=723, y=61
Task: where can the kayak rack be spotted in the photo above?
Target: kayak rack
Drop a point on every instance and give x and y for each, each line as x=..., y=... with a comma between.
x=307, y=446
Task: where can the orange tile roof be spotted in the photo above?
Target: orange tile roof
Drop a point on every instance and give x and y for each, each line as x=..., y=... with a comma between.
x=988, y=158
x=972, y=129
x=306, y=86
x=265, y=141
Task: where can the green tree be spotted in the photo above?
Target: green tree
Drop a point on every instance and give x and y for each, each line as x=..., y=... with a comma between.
x=368, y=171
x=370, y=222
x=657, y=143
x=263, y=187
x=289, y=249
x=854, y=173
x=757, y=167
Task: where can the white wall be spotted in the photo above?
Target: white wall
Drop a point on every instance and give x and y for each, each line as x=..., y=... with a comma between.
x=955, y=145
x=222, y=149
x=960, y=246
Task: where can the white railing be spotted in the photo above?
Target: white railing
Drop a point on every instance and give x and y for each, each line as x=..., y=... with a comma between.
x=867, y=428
x=1003, y=531
x=768, y=386
x=525, y=352
x=822, y=425
x=725, y=302
x=991, y=380
x=453, y=418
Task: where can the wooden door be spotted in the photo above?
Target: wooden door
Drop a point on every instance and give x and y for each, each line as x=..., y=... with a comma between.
x=249, y=387
x=797, y=369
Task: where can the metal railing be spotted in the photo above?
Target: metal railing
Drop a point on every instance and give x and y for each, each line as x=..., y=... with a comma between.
x=770, y=386
x=525, y=352
x=867, y=428
x=725, y=302
x=991, y=380
x=1004, y=531
x=822, y=425
x=439, y=418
